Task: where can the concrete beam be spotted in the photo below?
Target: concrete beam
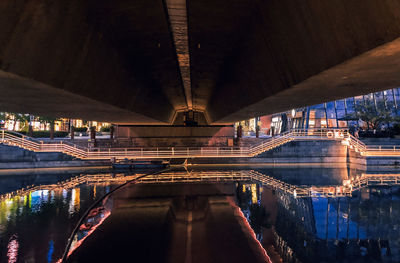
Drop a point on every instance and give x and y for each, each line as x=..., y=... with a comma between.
x=251, y=52
x=118, y=53
x=117, y=60
x=375, y=70
x=28, y=96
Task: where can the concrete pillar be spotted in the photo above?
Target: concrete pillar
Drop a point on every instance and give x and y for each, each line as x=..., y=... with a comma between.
x=112, y=132
x=30, y=130
x=52, y=130
x=257, y=131
x=239, y=132
x=92, y=141
x=93, y=133
x=72, y=132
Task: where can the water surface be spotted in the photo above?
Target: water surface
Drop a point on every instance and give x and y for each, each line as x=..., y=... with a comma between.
x=362, y=227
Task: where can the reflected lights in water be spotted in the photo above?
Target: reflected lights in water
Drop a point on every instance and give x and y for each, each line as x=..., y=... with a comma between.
x=243, y=221
x=74, y=203
x=254, y=196
x=77, y=242
x=51, y=251
x=12, y=249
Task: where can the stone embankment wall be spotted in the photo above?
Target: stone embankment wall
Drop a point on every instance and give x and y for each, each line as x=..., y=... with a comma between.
x=298, y=152
x=12, y=157
x=16, y=154
x=383, y=161
x=307, y=152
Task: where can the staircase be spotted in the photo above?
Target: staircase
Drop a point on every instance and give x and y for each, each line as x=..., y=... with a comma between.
x=271, y=143
x=30, y=144
x=25, y=142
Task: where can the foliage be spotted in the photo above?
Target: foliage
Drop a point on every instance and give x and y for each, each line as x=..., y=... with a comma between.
x=80, y=129
x=105, y=129
x=371, y=116
x=396, y=128
x=3, y=116
x=44, y=119
x=46, y=134
x=23, y=119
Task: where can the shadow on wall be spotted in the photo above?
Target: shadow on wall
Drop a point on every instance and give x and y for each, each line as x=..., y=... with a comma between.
x=176, y=136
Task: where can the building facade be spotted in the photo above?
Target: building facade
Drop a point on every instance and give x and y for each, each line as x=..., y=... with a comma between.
x=20, y=122
x=333, y=114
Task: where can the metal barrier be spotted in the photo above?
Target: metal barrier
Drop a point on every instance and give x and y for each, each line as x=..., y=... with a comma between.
x=15, y=139
x=346, y=189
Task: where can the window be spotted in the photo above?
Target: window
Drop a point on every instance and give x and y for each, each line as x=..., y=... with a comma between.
x=350, y=105
x=340, y=105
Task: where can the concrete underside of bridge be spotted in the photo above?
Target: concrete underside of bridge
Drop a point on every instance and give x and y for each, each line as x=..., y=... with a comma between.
x=117, y=60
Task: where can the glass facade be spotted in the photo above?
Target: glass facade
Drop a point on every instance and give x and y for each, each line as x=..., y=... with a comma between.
x=340, y=113
x=333, y=114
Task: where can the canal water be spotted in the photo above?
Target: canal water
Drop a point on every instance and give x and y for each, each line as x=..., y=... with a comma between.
x=326, y=225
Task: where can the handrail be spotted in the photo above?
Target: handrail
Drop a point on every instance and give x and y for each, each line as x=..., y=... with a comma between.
x=338, y=134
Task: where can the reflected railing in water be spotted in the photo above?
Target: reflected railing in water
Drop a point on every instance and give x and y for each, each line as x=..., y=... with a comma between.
x=290, y=197
x=334, y=228
x=71, y=183
x=346, y=189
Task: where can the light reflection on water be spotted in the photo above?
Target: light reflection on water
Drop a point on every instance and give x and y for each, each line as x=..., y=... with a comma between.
x=12, y=249
x=34, y=227
x=364, y=227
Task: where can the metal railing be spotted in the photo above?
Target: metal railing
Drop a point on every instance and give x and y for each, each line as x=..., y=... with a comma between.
x=346, y=189
x=15, y=139
x=383, y=150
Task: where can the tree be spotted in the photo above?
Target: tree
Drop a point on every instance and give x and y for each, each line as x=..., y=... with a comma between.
x=373, y=116
x=23, y=119
x=50, y=120
x=3, y=118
